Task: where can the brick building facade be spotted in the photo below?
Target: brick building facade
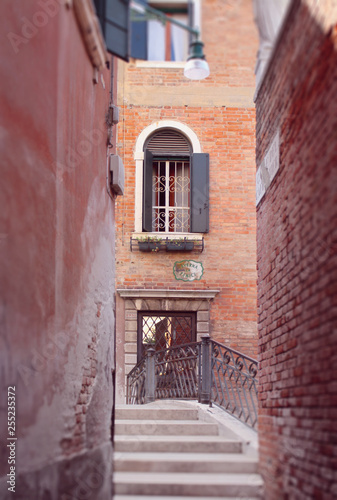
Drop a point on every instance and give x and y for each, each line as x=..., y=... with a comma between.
x=216, y=117
x=297, y=265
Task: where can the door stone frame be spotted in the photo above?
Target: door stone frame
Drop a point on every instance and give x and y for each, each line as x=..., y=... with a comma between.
x=159, y=300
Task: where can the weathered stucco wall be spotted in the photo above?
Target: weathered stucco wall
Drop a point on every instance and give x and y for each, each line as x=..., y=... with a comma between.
x=57, y=256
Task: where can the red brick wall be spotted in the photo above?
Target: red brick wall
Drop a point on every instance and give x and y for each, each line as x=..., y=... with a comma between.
x=230, y=38
x=226, y=132
x=297, y=261
x=232, y=221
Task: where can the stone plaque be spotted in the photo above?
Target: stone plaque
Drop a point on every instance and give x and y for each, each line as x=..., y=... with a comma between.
x=272, y=158
x=268, y=168
x=260, y=187
x=188, y=270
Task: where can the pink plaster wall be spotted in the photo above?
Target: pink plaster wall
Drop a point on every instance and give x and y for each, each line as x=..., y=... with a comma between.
x=56, y=251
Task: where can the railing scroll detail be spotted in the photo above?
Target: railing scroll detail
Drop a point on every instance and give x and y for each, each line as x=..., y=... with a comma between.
x=234, y=383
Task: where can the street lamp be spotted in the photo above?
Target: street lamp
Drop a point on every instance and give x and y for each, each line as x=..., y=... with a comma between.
x=196, y=67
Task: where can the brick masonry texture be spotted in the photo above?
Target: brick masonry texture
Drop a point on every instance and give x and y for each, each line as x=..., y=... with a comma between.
x=227, y=133
x=230, y=39
x=297, y=260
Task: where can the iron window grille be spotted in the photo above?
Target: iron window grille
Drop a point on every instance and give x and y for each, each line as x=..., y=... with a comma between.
x=171, y=196
x=162, y=330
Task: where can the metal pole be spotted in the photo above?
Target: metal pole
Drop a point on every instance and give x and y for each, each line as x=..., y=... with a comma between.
x=150, y=386
x=205, y=395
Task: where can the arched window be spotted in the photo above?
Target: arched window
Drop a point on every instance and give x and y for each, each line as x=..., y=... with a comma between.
x=175, y=184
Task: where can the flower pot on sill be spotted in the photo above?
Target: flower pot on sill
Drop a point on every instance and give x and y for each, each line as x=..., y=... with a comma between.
x=149, y=246
x=179, y=246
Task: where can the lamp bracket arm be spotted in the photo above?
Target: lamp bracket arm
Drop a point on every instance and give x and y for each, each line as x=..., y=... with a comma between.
x=148, y=12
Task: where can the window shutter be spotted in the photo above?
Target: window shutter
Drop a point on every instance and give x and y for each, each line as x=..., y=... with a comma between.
x=114, y=16
x=139, y=37
x=147, y=191
x=200, y=193
x=168, y=142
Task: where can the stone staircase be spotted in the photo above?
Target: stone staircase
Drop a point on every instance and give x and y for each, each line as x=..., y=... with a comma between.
x=182, y=450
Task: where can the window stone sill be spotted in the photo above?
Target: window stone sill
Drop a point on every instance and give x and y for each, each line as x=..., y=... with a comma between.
x=169, y=236
x=159, y=64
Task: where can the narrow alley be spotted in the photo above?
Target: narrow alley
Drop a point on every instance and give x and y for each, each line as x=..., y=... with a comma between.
x=168, y=240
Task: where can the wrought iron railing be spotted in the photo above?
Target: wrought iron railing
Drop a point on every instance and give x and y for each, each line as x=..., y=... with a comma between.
x=136, y=383
x=171, y=373
x=208, y=371
x=176, y=371
x=234, y=383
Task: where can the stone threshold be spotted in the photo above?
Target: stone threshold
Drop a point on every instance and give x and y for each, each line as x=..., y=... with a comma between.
x=128, y=293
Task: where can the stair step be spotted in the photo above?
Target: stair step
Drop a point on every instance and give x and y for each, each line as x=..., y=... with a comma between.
x=165, y=427
x=184, y=462
x=187, y=444
x=135, y=412
x=156, y=497
x=193, y=484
